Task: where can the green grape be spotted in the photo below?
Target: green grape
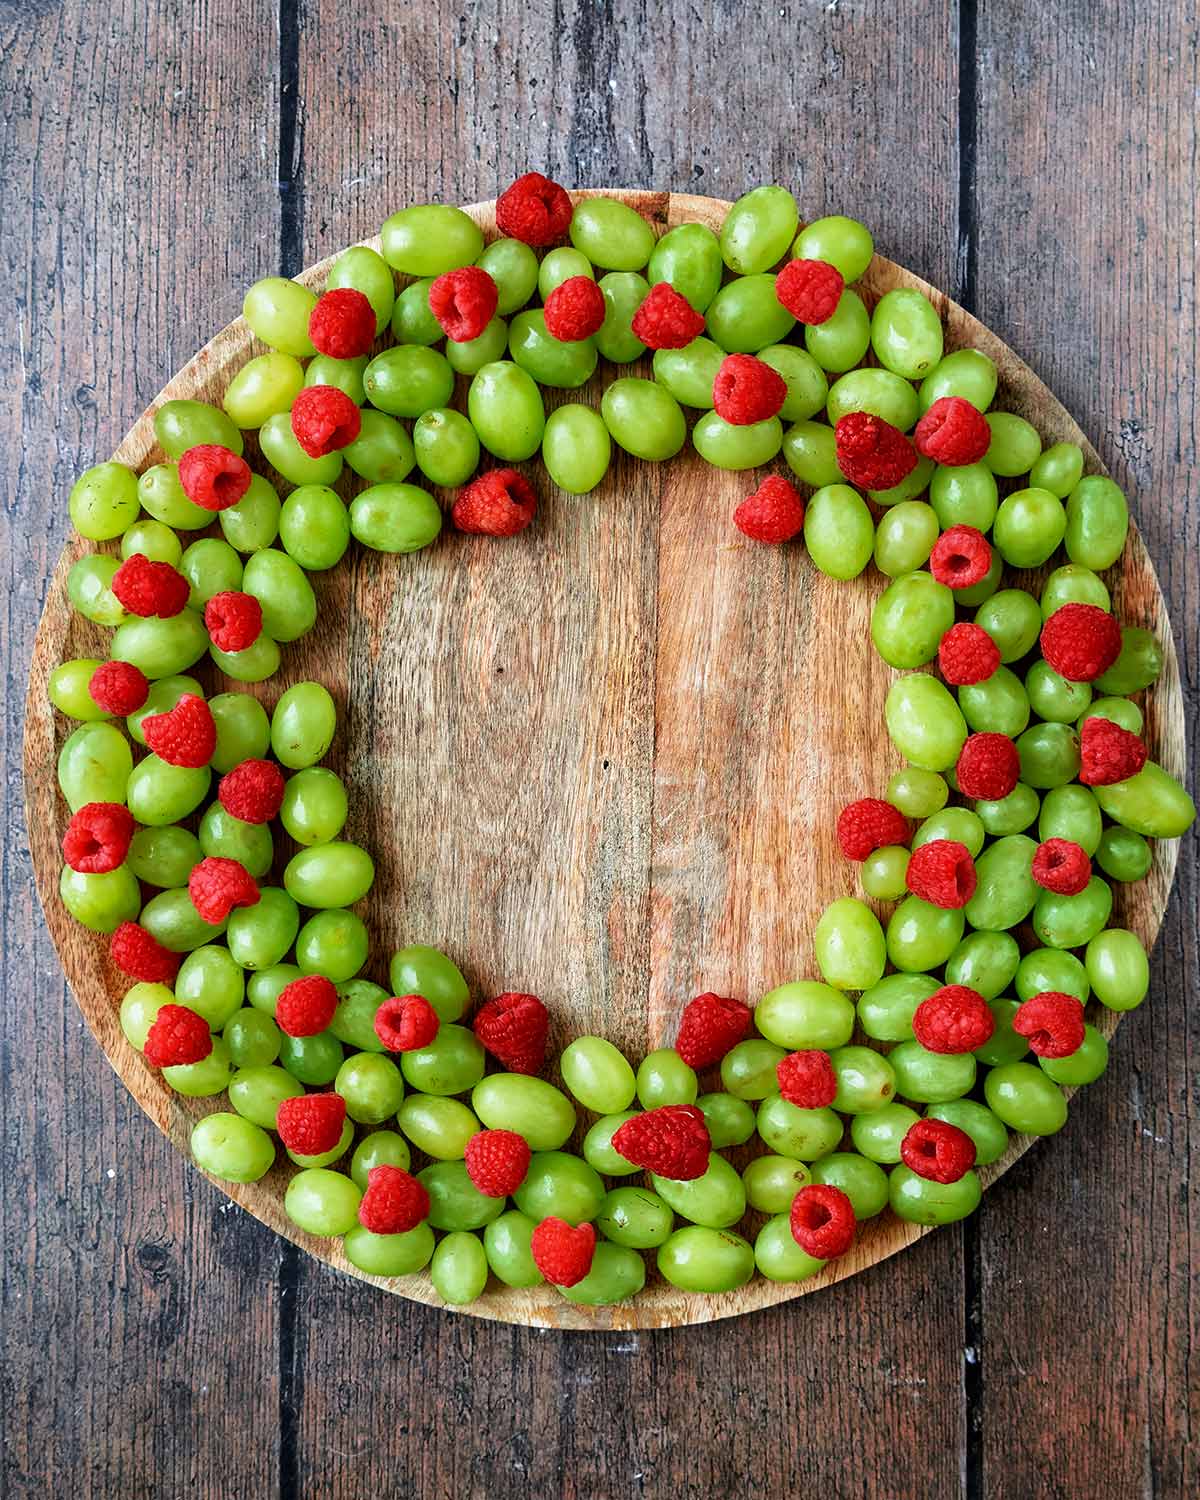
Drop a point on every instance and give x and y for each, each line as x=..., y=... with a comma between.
x=984, y=1127
x=808, y=389
x=560, y=1184
x=849, y=945
x=1072, y=921
x=1118, y=969
x=231, y=1148
x=917, y=793
x=302, y=725
x=161, y=648
x=801, y=1134
x=67, y=689
x=862, y=1181
x=289, y=606
x=314, y=1060
x=104, y=501
x=886, y=1010
x=94, y=765
x=257, y=1093
x=643, y=418
x=284, y=453
x=1151, y=803
x=877, y=391
x=459, y=1268
x=1071, y=812
x=1045, y=969
x=924, y=722
x=506, y=411
x=1015, y=445
x=469, y=356
x=840, y=343
x=1053, y=697
x=964, y=496
x=914, y=483
x=326, y=1158
x=420, y=970
x=547, y=359
x=278, y=312
x=561, y=265
x=264, y=987
x=758, y=229
x=779, y=1257
x=260, y=935
x=1004, y=1045
x=225, y=837
x=1058, y=469
x=430, y=239
x=843, y=242
x=885, y=873
x=804, y=1015
x=253, y=523
x=1137, y=667
x=746, y=316
x=89, y=588
x=636, y=1217
x=1097, y=523
x=730, y=1121
x=372, y=1087
x=413, y=321
x=689, y=258
x=162, y=697
x=253, y=1038
x=163, y=857
x=922, y=1201
x=1005, y=889
x=530, y=1106
x=865, y=1080
x=1025, y=1099
x=1123, y=855
x=322, y=1202
x=931, y=1077
x=617, y=1274
x=172, y=920
x=598, y=1075
x=439, y=1127
x=354, y=1020
x=445, y=447
x=162, y=496
x=726, y=445
x=1072, y=584
x=383, y=452
x=965, y=373
x=395, y=518
x=1011, y=814
x=506, y=1242
x=913, y=613
x=152, y=539
x=689, y=373
x=139, y=1009
x=1029, y=526
x=904, y=538
x=389, y=1254
x=748, y=1070
x=998, y=705
x=513, y=266
x=921, y=936
x=1013, y=619
x=211, y=984
x=454, y=1200
x=611, y=234
x=906, y=333
x=664, y=1078
x=599, y=1151
x=717, y=1199
x=365, y=270
x=262, y=388
x=838, y=530
x=451, y=1064
x=328, y=875
x=211, y=567
x=771, y=1182
x=255, y=664
x=202, y=1080
x=1084, y=1065
x=810, y=449
x=576, y=448
x=956, y=823
x=381, y=1148
x=877, y=1136
x=159, y=793
x=314, y=805
x=344, y=374
x=100, y=902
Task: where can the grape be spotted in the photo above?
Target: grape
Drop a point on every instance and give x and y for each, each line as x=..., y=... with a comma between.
x=163, y=857
x=255, y=664
x=260, y=935
x=289, y=605
x=838, y=530
x=327, y=875
x=865, y=1080
x=67, y=689
x=1004, y=1045
x=921, y=936
x=730, y=1121
x=1054, y=698
x=372, y=1087
x=314, y=805
x=1071, y=812
x=924, y=1202
x=1011, y=814
x=726, y=445
x=326, y=1158
x=278, y=311
x=611, y=234
x=506, y=1245
x=1028, y=527
x=689, y=258
x=413, y=321
x=985, y=1128
x=1005, y=891
x=89, y=588
x=779, y=1257
x=257, y=1092
x=717, y=1199
x=1058, y=469
x=281, y=450
x=1124, y=855
x=264, y=986
x=314, y=527
x=211, y=567
x=886, y=1010
x=302, y=725
x=104, y=501
x=550, y=362
x=94, y=765
x=698, y=1259
x=451, y=1064
x=100, y=902
x=598, y=1075
x=810, y=449
x=746, y=316
x=408, y=380
x=862, y=1181
x=924, y=722
x=347, y=375
x=243, y=730
x=440, y=1128
x=748, y=1069
x=506, y=411
x=1097, y=522
x=202, y=1080
x=559, y=266
x=430, y=239
x=366, y=271
x=161, y=648
x=139, y=1009
x=454, y=1200
x=322, y=1202
x=840, y=342
x=172, y=920
x=843, y=242
x=576, y=448
x=313, y=1060
x=877, y=1136
x=252, y=1038
x=913, y=613
x=382, y=1148
x=636, y=1217
x=802, y=1015
x=469, y=356
x=262, y=388
x=849, y=945
x=876, y=391
x=532, y=1107
x=1051, y=969
x=885, y=873
x=446, y=447
x=808, y=389
x=1084, y=1065
x=965, y=373
x=231, y=1148
x=664, y=1078
x=904, y=539
x=149, y=538
x=420, y=970
x=917, y=793
x=1073, y=584
x=354, y=1020
x=225, y=837
x=931, y=1077
x=1151, y=803
x=1025, y=1099
x=624, y=292
x=1015, y=445
x=999, y=705
x=906, y=334
x=800, y=1134
x=1013, y=619
x=513, y=266
x=162, y=496
x=964, y=496
x=1138, y=665
x=459, y=1268
x=643, y=418
x=560, y=1184
x=771, y=1182
x=211, y=984
x=160, y=793
x=1073, y=921
x=389, y=1254
x=598, y=1149
x=616, y=1274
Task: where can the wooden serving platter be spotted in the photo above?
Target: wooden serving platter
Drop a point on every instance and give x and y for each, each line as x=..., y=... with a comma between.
x=601, y=762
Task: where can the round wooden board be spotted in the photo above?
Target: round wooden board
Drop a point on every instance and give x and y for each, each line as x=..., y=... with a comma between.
x=601, y=763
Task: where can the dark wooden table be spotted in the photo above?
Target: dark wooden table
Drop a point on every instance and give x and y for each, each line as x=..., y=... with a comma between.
x=1039, y=160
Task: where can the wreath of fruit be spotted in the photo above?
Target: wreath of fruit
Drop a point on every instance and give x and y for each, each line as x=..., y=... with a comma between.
x=1026, y=792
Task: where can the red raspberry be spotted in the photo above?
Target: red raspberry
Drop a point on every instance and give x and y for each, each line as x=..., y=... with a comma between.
x=822, y=1220
x=97, y=837
x=574, y=310
x=1108, y=753
x=871, y=453
x=394, y=1201
x=1052, y=1022
x=141, y=956
x=942, y=872
x=952, y=1020
x=870, y=824
x=665, y=320
x=118, y=687
x=498, y=503
x=534, y=210
x=342, y=325
x=747, y=390
x=1062, y=867
x=185, y=735
x=953, y=432
x=1081, y=641
x=561, y=1253
x=150, y=588
x=406, y=1023
x=967, y=654
x=806, y=1079
x=306, y=1006
x=937, y=1151
x=497, y=1162
x=810, y=290
x=178, y=1037
x=324, y=419
x=311, y=1124
x=773, y=513
x=464, y=302
x=234, y=620
x=961, y=557
x=709, y=1027
x=671, y=1141
x=217, y=885
x=213, y=477
x=252, y=791
x=514, y=1027
x=988, y=767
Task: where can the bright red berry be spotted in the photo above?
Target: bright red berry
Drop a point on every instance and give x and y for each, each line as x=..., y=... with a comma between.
x=1081, y=641
x=342, y=325
x=118, y=687
x=747, y=390
x=252, y=791
x=464, y=302
x=150, y=588
x=810, y=290
x=709, y=1027
x=822, y=1221
x=497, y=1162
x=178, y=1037
x=306, y=1005
x=324, y=419
x=671, y=1141
x=185, y=735
x=406, y=1023
x=97, y=837
x=534, y=210
x=234, y=620
x=1108, y=753
x=937, y=1151
x=1062, y=867
x=967, y=654
x=871, y=453
x=961, y=557
x=213, y=477
x=665, y=320
x=953, y=432
x=988, y=767
x=514, y=1027
x=773, y=513
x=1052, y=1023
x=870, y=824
x=394, y=1201
x=806, y=1079
x=942, y=872
x=574, y=310
x=141, y=956
x=498, y=503
x=216, y=885
x=561, y=1253
x=311, y=1124
x=954, y=1019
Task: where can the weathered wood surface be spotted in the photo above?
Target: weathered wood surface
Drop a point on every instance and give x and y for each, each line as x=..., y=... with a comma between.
x=465, y=1406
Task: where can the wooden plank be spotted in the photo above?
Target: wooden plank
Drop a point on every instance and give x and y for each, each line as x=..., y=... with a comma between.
x=139, y=1338
x=1086, y=254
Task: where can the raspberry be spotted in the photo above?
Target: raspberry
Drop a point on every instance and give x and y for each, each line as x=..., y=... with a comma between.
x=406, y=1023
x=252, y=791
x=773, y=513
x=185, y=735
x=871, y=453
x=464, y=302
x=234, y=620
x=534, y=210
x=1081, y=641
x=514, y=1027
x=498, y=503
x=562, y=1254
x=574, y=310
x=324, y=419
x=394, y=1201
x=178, y=1037
x=150, y=588
x=952, y=1020
x=141, y=956
x=1108, y=753
x=822, y=1220
x=953, y=432
x=806, y=1079
x=342, y=325
x=671, y=1141
x=810, y=290
x=311, y=1124
x=988, y=767
x=217, y=885
x=967, y=654
x=1062, y=867
x=961, y=557
x=97, y=837
x=306, y=1006
x=665, y=320
x=870, y=824
x=1052, y=1022
x=937, y=1151
x=709, y=1027
x=213, y=477
x=942, y=872
x=747, y=390
x=118, y=687
x=497, y=1161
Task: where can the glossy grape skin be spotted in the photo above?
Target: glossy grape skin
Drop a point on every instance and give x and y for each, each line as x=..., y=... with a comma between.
x=162, y=496
x=911, y=615
x=730, y=1121
x=885, y=1011
x=257, y=1092
x=1073, y=584
x=513, y=266
x=284, y=453
x=904, y=538
x=153, y=539
x=689, y=258
x=278, y=311
x=838, y=530
x=334, y=943
x=771, y=1182
x=412, y=320
x=302, y=725
x=664, y=1078
x=202, y=1080
x=758, y=229
x=469, y=356
x=446, y=447
x=159, y=793
x=624, y=292
x=506, y=1242
x=354, y=1020
x=252, y=1037
x=1097, y=523
x=67, y=690
x=636, y=1217
x=931, y=1077
x=264, y=986
x=379, y=1148
x=550, y=362
x=560, y=265
x=459, y=1268
x=957, y=823
x=688, y=373
x=777, y=1255
x=611, y=234
x=439, y=1127
x=984, y=1127
x=877, y=1136
x=1138, y=666
x=1013, y=619
x=104, y=501
x=965, y=373
x=917, y=793
x=139, y=1009
x=726, y=445
x=884, y=873
x=699, y=1259
x=808, y=389
x=560, y=1184
x=865, y=1080
x=314, y=527
x=226, y=837
x=532, y=1107
x=211, y=984
x=211, y=567
x=1015, y=445
x=1118, y=969
x=805, y=1014
x=598, y=1075
x=906, y=333
x=253, y=523
x=810, y=449
x=314, y=806
x=876, y=391
x=262, y=387
x=914, y=483
x=598, y=1149
x=231, y=1149
x=1028, y=527
x=365, y=270
x=1085, y=1064
x=964, y=496
x=1049, y=755
x=395, y=518
x=924, y=722
x=454, y=1200
x=863, y=1181
x=346, y=375
x=748, y=1071
x=1045, y=969
x=451, y=1064
x=1151, y=803
x=839, y=343
x=260, y=935
x=94, y=765
x=322, y=1202
x=383, y=452
x=372, y=1087
x=163, y=857
x=1025, y=1099
x=329, y=875
x=1124, y=855
x=1053, y=697
x=998, y=705
x=407, y=380
x=421, y=970
x=429, y=239
x=921, y=936
x=617, y=1274
x=89, y=588
x=717, y=1199
x=576, y=448
x=1071, y=812
x=1012, y=814
x=389, y=1254
x=746, y=316
x=1058, y=469
x=100, y=902
x=1004, y=1045
x=643, y=418
x=506, y=411
x=801, y=1134
x=171, y=919
x=843, y=242
x=922, y=1201
x=161, y=648
x=1005, y=889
